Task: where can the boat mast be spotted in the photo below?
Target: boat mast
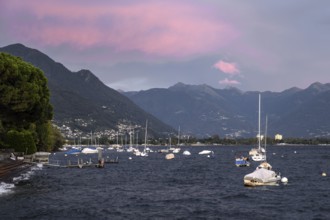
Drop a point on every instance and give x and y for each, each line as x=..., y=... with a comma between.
x=145, y=135
x=259, y=135
x=266, y=138
x=179, y=136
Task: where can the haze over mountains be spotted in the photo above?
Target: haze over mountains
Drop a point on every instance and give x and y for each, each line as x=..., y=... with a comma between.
x=83, y=102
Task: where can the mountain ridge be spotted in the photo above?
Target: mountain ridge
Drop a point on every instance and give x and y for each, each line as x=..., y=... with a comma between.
x=81, y=101
x=81, y=96
x=231, y=113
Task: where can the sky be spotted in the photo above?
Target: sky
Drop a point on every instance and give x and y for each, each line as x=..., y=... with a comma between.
x=132, y=45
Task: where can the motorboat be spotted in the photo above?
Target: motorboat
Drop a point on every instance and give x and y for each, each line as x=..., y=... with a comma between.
x=262, y=176
x=242, y=162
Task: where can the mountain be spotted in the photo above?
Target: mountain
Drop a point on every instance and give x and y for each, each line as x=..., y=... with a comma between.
x=205, y=111
x=82, y=102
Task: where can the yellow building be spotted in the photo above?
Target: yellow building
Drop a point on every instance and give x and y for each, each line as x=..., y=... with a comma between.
x=278, y=137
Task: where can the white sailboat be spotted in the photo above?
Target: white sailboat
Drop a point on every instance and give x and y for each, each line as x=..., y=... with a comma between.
x=177, y=149
x=144, y=153
x=263, y=175
x=258, y=154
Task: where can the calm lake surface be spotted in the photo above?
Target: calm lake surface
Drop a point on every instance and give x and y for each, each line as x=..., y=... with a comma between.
x=187, y=187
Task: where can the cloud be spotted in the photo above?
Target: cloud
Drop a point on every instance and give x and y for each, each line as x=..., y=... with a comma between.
x=226, y=67
x=156, y=28
x=229, y=82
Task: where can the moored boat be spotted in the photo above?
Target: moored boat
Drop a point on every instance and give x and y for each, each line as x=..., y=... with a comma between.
x=89, y=150
x=262, y=177
x=258, y=154
x=186, y=153
x=242, y=162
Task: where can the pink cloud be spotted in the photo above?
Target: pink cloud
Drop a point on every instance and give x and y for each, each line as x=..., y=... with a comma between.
x=158, y=28
x=226, y=67
x=229, y=82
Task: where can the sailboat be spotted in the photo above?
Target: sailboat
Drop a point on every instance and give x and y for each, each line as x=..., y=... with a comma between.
x=263, y=175
x=177, y=149
x=258, y=154
x=166, y=150
x=144, y=153
x=91, y=149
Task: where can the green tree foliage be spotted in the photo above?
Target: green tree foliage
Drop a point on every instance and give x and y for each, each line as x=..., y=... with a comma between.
x=57, y=138
x=24, y=101
x=44, y=135
x=21, y=141
x=24, y=95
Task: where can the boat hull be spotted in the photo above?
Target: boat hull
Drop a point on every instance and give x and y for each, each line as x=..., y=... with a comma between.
x=253, y=184
x=261, y=177
x=258, y=157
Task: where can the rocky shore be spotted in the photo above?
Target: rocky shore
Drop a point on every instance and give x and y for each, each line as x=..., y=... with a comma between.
x=9, y=168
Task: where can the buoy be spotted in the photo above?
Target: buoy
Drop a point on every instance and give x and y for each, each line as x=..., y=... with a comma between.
x=295, y=152
x=130, y=158
x=284, y=180
x=324, y=174
x=65, y=155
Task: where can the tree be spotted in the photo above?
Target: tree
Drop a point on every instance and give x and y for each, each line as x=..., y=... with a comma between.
x=57, y=138
x=24, y=95
x=44, y=136
x=21, y=141
x=24, y=99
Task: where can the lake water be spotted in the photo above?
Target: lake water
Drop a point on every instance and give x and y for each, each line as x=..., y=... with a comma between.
x=187, y=187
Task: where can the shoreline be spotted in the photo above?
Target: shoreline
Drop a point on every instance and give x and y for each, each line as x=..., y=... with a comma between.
x=9, y=168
